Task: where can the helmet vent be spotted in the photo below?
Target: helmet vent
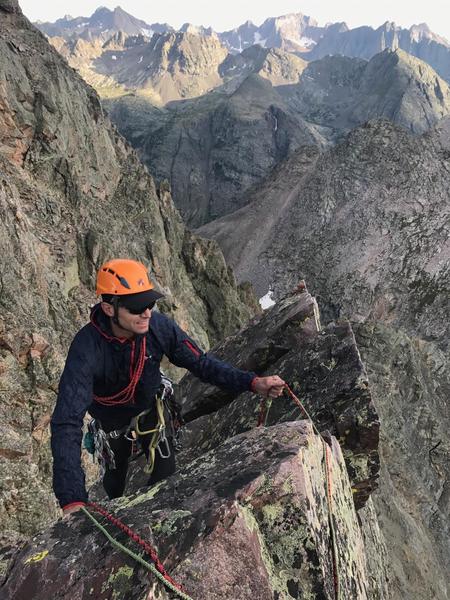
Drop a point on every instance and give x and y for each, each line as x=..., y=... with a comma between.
x=122, y=280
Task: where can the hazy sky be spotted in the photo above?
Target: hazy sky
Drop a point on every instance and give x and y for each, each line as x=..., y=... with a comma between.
x=231, y=13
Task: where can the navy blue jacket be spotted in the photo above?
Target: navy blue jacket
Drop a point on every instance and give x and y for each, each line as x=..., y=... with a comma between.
x=99, y=363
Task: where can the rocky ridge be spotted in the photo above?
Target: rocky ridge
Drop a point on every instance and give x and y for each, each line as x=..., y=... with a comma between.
x=102, y=24
x=395, y=186
x=72, y=194
x=259, y=531
x=171, y=66
x=293, y=32
x=367, y=223
x=340, y=93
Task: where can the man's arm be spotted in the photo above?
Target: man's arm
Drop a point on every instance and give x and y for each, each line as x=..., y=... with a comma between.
x=184, y=352
x=74, y=398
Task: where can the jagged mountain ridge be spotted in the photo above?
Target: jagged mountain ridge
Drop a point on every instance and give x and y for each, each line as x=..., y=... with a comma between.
x=103, y=23
x=340, y=92
x=73, y=194
x=171, y=66
x=213, y=149
x=293, y=32
x=365, y=42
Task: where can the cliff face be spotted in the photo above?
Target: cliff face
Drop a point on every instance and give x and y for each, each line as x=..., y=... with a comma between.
x=73, y=194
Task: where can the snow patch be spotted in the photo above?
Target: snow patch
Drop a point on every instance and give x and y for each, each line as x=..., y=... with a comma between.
x=147, y=32
x=266, y=301
x=257, y=39
x=307, y=42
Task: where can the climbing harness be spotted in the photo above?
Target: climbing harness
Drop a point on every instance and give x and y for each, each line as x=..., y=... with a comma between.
x=96, y=441
x=262, y=420
x=156, y=566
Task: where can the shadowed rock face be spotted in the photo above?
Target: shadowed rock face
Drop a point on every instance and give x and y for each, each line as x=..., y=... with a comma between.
x=213, y=149
x=252, y=527
x=73, y=194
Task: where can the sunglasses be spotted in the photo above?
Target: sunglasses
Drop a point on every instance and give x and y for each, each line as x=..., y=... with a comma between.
x=140, y=309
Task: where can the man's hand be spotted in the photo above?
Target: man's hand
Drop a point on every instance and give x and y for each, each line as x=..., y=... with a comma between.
x=270, y=387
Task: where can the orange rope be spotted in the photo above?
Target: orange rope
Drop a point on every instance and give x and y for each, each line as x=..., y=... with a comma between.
x=261, y=420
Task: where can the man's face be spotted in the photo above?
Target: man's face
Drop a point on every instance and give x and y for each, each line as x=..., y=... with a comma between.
x=137, y=324
x=129, y=324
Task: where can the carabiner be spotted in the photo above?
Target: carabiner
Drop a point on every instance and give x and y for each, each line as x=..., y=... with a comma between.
x=164, y=441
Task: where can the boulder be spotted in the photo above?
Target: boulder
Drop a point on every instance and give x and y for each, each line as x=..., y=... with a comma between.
x=254, y=526
x=322, y=366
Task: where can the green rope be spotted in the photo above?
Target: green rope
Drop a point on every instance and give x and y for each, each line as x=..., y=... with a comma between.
x=137, y=558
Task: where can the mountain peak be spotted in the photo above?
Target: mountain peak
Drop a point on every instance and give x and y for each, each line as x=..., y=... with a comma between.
x=102, y=10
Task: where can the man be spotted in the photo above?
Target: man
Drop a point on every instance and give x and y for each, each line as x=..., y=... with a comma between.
x=112, y=371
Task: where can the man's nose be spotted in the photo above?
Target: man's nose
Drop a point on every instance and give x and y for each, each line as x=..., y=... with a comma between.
x=147, y=313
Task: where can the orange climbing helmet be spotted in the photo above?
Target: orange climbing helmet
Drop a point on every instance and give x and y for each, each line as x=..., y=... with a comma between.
x=125, y=277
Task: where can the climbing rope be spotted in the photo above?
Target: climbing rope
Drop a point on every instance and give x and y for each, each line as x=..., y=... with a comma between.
x=262, y=420
x=157, y=568
x=126, y=395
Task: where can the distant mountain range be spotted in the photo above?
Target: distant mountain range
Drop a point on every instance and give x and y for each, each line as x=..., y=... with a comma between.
x=293, y=32
x=214, y=113
x=214, y=148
